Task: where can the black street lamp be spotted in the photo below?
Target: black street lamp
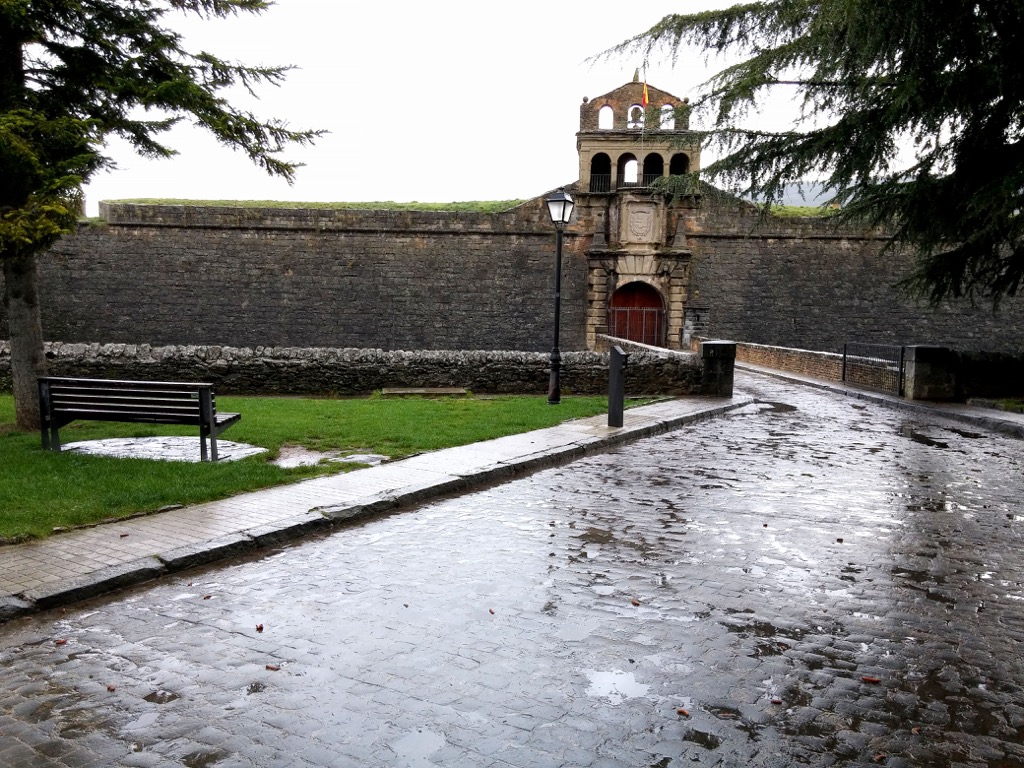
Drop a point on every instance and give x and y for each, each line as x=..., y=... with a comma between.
x=560, y=208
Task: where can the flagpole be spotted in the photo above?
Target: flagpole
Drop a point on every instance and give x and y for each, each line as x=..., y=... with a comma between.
x=643, y=129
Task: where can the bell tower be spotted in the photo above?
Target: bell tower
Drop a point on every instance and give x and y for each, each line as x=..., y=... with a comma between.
x=638, y=259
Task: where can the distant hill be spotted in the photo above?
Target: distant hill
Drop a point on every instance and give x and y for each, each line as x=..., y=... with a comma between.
x=809, y=193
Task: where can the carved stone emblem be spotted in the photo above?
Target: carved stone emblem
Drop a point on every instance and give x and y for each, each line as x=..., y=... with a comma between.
x=641, y=223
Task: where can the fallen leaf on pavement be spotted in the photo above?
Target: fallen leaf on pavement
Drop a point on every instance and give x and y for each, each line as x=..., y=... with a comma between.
x=273, y=667
x=60, y=642
x=871, y=679
x=259, y=627
x=111, y=688
x=683, y=712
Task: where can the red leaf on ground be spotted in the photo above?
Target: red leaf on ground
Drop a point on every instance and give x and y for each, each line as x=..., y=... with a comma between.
x=871, y=679
x=259, y=627
x=273, y=667
x=635, y=601
x=207, y=597
x=60, y=642
x=111, y=688
x=682, y=712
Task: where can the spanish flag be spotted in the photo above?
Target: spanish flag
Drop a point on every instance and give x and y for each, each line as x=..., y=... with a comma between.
x=646, y=97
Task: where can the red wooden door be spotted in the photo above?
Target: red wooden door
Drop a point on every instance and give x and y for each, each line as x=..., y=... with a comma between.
x=637, y=314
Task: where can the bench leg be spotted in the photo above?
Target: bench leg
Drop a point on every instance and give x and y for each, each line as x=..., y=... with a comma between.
x=213, y=447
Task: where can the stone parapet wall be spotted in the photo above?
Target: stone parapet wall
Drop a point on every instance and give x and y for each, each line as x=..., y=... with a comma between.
x=526, y=218
x=325, y=371
x=820, y=365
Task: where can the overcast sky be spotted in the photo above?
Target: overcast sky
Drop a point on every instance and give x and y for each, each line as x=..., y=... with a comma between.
x=433, y=101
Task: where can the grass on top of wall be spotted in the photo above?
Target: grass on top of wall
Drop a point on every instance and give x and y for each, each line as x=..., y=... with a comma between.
x=42, y=490
x=802, y=211
x=473, y=206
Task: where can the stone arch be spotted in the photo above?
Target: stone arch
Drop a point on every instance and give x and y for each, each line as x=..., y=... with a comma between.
x=636, y=312
x=667, y=118
x=654, y=168
x=679, y=164
x=605, y=118
x=600, y=173
x=627, y=169
x=635, y=116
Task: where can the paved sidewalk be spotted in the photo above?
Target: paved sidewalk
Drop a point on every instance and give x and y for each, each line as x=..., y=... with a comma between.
x=72, y=566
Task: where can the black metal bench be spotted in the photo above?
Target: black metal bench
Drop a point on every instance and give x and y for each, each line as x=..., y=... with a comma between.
x=62, y=400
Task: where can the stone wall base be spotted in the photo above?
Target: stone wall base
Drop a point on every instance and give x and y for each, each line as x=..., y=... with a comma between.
x=330, y=371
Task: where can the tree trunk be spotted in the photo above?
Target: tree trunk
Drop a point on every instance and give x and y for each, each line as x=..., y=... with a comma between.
x=28, y=359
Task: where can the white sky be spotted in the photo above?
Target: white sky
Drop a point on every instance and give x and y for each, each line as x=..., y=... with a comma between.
x=425, y=100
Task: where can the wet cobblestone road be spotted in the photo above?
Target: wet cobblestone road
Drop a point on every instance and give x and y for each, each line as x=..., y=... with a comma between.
x=809, y=581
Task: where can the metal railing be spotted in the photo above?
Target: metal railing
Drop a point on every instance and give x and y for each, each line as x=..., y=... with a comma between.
x=602, y=182
x=875, y=366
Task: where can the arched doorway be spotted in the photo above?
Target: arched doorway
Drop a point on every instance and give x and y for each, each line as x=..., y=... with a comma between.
x=637, y=313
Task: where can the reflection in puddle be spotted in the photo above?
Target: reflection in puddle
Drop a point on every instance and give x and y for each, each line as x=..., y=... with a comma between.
x=415, y=747
x=907, y=430
x=616, y=686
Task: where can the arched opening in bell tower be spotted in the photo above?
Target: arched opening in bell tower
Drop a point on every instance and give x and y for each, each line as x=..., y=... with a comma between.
x=600, y=173
x=627, y=170
x=654, y=168
x=636, y=312
x=679, y=165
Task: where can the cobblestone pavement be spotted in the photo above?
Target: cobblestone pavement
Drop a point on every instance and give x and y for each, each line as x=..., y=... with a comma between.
x=811, y=580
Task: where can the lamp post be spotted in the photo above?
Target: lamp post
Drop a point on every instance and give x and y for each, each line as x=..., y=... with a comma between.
x=560, y=207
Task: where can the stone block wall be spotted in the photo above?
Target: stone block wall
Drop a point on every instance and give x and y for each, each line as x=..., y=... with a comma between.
x=312, y=278
x=805, y=283
x=247, y=277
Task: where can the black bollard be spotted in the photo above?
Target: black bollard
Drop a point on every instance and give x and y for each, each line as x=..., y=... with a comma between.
x=617, y=360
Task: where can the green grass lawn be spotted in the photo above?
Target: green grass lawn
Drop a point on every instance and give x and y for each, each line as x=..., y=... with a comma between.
x=41, y=490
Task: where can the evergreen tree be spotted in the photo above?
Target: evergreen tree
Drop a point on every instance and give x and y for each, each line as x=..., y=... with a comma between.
x=912, y=112
x=72, y=74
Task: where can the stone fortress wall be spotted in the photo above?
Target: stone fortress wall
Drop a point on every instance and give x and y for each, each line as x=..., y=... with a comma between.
x=399, y=280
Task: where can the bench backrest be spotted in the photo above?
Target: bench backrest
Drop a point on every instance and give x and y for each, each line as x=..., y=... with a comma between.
x=63, y=399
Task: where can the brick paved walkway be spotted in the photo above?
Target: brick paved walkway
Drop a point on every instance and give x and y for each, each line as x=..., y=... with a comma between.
x=811, y=580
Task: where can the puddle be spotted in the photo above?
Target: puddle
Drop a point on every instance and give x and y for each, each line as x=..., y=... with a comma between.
x=291, y=456
x=160, y=697
x=965, y=433
x=573, y=633
x=907, y=430
x=202, y=759
x=616, y=686
x=766, y=406
x=414, y=748
x=703, y=738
